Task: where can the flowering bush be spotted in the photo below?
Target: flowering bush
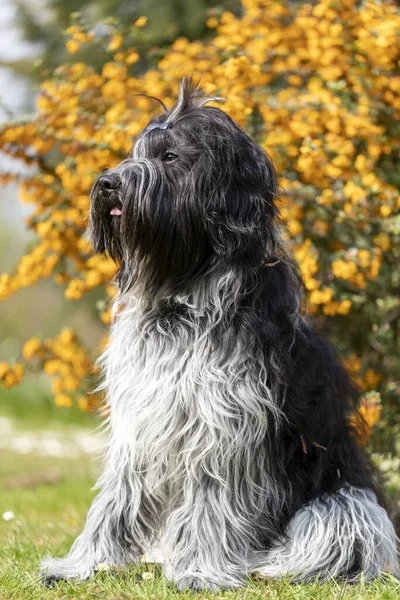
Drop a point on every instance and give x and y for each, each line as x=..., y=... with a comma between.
x=317, y=86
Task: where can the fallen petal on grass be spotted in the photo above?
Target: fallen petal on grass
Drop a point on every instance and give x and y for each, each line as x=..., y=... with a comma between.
x=8, y=515
x=102, y=567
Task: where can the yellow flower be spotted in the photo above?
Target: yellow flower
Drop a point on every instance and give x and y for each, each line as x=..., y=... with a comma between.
x=11, y=375
x=71, y=383
x=4, y=369
x=52, y=367
x=382, y=240
x=83, y=404
x=344, y=269
x=113, y=71
x=9, y=380
x=66, y=336
x=372, y=379
x=44, y=228
x=385, y=210
x=75, y=289
x=57, y=385
x=344, y=307
x=132, y=57
x=106, y=317
x=141, y=22
x=321, y=296
x=18, y=371
x=73, y=46
x=212, y=23
x=116, y=43
x=367, y=417
x=30, y=348
x=359, y=280
x=364, y=257
x=63, y=401
x=371, y=413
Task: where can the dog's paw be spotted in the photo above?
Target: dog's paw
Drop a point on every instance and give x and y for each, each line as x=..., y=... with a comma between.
x=193, y=579
x=58, y=569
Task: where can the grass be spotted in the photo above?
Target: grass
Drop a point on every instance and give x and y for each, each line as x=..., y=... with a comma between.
x=50, y=498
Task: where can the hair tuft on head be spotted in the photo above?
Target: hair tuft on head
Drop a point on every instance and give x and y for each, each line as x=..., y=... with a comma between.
x=190, y=96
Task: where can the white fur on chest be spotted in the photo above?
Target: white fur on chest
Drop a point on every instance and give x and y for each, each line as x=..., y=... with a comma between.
x=180, y=406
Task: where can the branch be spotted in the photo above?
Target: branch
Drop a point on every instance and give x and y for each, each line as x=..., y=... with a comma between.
x=17, y=121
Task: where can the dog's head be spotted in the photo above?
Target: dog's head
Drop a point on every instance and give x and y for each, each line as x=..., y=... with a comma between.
x=196, y=196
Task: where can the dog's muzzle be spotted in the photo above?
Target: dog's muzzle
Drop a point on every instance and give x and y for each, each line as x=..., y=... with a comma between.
x=109, y=185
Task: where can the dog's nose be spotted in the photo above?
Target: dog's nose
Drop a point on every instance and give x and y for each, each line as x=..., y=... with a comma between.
x=108, y=182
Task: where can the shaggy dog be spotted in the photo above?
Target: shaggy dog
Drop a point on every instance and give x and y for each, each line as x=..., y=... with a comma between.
x=231, y=437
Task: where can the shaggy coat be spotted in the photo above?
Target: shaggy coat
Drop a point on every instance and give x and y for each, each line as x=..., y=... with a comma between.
x=231, y=435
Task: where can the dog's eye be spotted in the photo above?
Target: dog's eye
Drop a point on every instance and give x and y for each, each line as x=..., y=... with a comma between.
x=169, y=156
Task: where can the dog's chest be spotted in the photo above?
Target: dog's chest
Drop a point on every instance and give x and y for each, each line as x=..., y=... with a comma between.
x=158, y=377
x=180, y=404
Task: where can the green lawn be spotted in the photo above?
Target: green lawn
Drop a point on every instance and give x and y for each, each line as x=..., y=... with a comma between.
x=50, y=497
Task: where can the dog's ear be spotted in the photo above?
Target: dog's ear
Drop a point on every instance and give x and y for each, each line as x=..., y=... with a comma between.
x=241, y=212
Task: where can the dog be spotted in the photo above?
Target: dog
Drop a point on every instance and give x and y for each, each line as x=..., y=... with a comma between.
x=231, y=418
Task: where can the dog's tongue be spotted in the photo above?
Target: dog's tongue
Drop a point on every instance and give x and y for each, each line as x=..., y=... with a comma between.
x=116, y=211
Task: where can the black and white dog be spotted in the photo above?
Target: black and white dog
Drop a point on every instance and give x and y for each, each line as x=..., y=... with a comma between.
x=231, y=441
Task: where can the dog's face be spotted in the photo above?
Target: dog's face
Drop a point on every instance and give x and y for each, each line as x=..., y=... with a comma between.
x=197, y=195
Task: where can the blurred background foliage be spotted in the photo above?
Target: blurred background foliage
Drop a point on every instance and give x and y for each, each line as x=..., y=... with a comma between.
x=316, y=84
x=44, y=24
x=39, y=46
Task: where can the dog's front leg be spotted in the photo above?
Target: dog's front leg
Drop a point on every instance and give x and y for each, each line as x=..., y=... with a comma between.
x=118, y=526
x=207, y=539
